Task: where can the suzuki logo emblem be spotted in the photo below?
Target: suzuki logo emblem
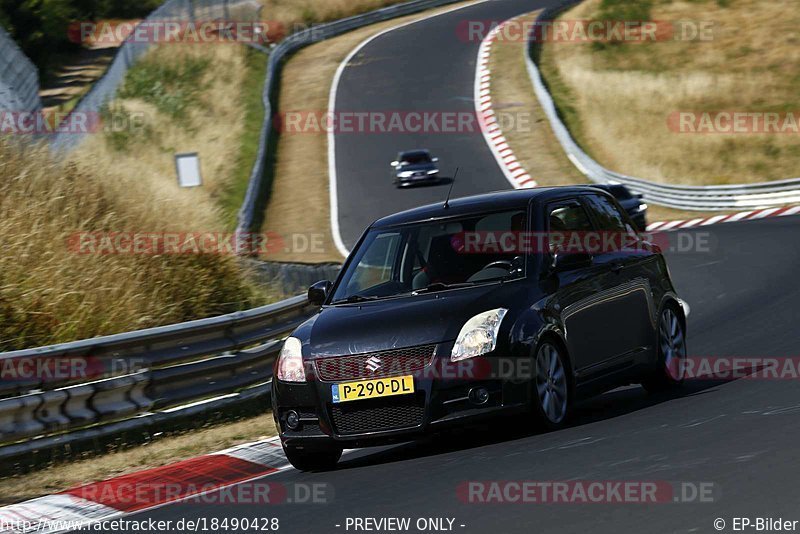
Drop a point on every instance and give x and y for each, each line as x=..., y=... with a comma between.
x=373, y=363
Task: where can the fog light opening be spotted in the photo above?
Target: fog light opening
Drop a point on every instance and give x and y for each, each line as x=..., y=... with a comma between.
x=292, y=420
x=478, y=396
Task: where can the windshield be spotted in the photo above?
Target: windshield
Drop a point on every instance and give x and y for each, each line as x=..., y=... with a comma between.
x=415, y=158
x=432, y=256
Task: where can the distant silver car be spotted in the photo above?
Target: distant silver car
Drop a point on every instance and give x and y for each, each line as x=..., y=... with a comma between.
x=414, y=167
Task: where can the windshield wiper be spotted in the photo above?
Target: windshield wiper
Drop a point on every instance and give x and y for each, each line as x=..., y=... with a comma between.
x=439, y=286
x=352, y=299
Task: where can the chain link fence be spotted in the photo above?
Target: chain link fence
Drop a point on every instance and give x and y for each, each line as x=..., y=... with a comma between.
x=19, y=79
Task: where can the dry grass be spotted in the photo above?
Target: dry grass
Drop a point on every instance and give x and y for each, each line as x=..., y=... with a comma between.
x=616, y=99
x=161, y=451
x=301, y=169
x=49, y=293
x=295, y=13
x=533, y=142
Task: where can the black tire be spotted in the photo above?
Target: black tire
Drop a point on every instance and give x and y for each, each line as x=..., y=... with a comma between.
x=313, y=459
x=671, y=345
x=552, y=386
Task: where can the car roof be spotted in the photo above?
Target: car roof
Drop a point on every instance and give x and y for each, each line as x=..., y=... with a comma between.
x=484, y=203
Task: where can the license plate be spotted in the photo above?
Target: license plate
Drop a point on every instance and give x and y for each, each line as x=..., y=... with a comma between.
x=370, y=389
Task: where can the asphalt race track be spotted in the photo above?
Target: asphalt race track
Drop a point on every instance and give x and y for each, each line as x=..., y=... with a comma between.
x=426, y=66
x=740, y=280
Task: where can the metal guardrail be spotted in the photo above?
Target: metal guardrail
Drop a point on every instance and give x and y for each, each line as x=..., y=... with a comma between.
x=132, y=376
x=19, y=79
x=712, y=197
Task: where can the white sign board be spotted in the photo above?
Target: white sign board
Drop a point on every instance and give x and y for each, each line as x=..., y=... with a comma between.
x=188, y=166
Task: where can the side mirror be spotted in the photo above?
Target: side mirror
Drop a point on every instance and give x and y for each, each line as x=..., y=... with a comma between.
x=394, y=163
x=568, y=261
x=319, y=292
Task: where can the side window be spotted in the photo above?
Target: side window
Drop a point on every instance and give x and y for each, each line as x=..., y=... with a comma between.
x=564, y=220
x=571, y=217
x=608, y=217
x=377, y=266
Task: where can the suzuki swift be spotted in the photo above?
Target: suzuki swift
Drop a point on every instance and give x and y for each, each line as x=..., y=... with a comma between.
x=517, y=302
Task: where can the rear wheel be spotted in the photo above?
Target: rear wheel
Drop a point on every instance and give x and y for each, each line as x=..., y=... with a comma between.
x=671, y=353
x=552, y=397
x=313, y=459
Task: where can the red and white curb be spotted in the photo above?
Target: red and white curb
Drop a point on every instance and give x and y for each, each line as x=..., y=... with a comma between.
x=145, y=490
x=667, y=226
x=484, y=107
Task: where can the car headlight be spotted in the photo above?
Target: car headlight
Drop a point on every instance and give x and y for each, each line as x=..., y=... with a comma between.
x=406, y=174
x=478, y=335
x=433, y=172
x=642, y=207
x=290, y=361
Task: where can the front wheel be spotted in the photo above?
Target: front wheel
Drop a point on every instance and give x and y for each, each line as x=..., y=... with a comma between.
x=671, y=353
x=552, y=398
x=313, y=459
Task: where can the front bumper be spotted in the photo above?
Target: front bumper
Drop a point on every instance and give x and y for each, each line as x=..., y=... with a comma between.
x=441, y=398
x=421, y=179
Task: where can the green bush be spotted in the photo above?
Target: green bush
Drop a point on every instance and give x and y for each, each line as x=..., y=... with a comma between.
x=171, y=88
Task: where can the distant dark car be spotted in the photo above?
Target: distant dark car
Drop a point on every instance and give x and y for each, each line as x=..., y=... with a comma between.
x=634, y=205
x=414, y=167
x=475, y=308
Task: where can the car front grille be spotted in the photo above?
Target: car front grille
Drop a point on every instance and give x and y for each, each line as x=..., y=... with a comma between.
x=377, y=415
x=393, y=362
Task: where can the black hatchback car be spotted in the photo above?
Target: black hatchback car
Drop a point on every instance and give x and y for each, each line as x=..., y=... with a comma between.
x=512, y=302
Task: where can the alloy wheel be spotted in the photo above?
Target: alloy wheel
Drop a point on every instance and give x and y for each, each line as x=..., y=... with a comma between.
x=673, y=344
x=551, y=383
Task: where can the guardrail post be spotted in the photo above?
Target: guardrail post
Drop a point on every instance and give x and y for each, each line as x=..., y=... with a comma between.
x=49, y=412
x=22, y=421
x=77, y=406
x=138, y=395
x=8, y=410
x=111, y=399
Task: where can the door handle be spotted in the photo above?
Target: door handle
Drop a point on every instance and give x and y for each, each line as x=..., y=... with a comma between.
x=616, y=267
